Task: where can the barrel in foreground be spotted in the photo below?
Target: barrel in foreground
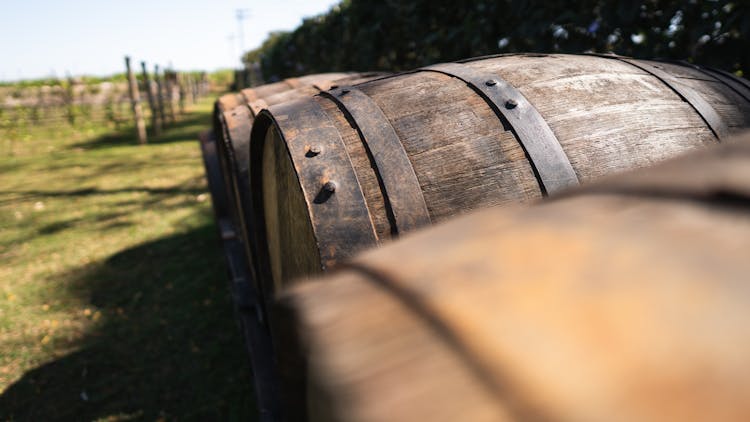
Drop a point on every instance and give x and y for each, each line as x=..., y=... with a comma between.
x=358, y=165
x=623, y=300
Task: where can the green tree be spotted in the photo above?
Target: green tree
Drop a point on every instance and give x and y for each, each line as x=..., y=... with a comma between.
x=398, y=35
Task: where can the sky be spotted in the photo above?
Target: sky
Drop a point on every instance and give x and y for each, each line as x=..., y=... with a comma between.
x=43, y=38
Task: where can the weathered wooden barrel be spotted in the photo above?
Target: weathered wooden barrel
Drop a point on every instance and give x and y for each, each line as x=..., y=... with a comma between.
x=225, y=157
x=626, y=300
x=354, y=166
x=233, y=118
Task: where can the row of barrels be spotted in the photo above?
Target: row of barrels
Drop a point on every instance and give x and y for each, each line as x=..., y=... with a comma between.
x=307, y=172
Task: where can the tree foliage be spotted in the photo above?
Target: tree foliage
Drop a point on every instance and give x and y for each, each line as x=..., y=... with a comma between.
x=397, y=35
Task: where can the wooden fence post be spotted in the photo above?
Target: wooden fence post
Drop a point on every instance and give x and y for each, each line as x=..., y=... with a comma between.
x=181, y=90
x=69, y=98
x=155, y=122
x=159, y=94
x=193, y=88
x=135, y=103
x=170, y=94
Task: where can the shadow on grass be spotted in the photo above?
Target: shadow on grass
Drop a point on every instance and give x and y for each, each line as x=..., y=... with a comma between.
x=165, y=345
x=187, y=127
x=61, y=225
x=157, y=193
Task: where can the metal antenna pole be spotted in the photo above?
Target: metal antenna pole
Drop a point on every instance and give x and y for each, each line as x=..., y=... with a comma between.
x=241, y=14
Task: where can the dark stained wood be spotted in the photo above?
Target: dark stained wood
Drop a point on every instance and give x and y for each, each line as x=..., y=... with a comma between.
x=285, y=214
x=625, y=299
x=406, y=206
x=233, y=119
x=550, y=164
x=608, y=116
x=135, y=103
x=365, y=171
x=216, y=186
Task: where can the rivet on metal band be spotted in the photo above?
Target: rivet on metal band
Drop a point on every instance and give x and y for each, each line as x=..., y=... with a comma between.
x=550, y=163
x=330, y=185
x=401, y=188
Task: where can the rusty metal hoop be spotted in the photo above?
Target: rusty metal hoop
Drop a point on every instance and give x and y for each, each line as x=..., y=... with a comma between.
x=550, y=163
x=401, y=189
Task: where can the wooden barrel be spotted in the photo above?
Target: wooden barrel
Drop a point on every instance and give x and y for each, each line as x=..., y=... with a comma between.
x=233, y=118
x=629, y=300
x=225, y=157
x=354, y=166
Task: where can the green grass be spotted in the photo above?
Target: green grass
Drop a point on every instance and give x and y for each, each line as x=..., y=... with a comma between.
x=113, y=299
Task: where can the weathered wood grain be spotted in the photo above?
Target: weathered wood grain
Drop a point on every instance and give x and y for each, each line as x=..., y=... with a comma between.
x=267, y=90
x=623, y=300
x=233, y=119
x=366, y=175
x=285, y=214
x=607, y=114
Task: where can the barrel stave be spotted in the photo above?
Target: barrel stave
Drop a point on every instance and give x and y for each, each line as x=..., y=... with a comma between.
x=363, y=166
x=600, y=114
x=286, y=218
x=458, y=147
x=731, y=102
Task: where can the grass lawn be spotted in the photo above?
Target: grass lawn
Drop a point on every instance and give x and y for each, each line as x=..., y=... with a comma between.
x=113, y=299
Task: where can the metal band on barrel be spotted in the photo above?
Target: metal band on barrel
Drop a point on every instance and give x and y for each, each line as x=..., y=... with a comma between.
x=324, y=85
x=401, y=187
x=547, y=158
x=742, y=81
x=338, y=212
x=688, y=94
x=738, y=85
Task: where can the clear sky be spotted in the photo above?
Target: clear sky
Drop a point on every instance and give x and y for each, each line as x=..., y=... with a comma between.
x=41, y=38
